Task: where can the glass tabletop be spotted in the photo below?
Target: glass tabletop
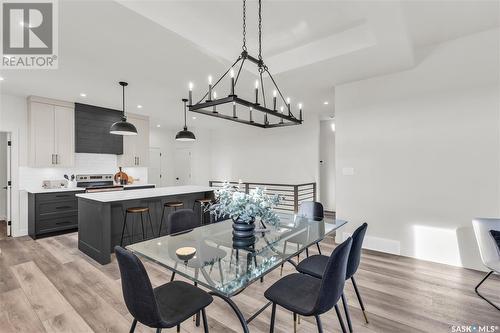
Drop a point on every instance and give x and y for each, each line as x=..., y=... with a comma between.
x=227, y=265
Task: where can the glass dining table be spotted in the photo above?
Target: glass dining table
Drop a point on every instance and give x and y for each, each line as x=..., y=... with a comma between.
x=225, y=265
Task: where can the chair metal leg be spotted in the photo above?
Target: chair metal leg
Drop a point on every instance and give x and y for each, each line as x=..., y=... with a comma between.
x=346, y=310
x=161, y=221
x=123, y=229
x=142, y=225
x=307, y=252
x=205, y=323
x=319, y=249
x=178, y=328
x=359, y=298
x=172, y=277
x=273, y=318
x=132, y=328
x=294, y=322
x=318, y=322
x=341, y=321
x=477, y=291
x=158, y=330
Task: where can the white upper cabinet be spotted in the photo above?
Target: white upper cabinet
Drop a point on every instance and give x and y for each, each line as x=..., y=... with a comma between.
x=51, y=130
x=136, y=147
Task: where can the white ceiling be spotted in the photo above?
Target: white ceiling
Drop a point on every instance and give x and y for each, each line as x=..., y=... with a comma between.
x=310, y=46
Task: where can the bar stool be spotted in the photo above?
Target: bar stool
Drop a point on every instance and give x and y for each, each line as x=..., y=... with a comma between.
x=203, y=203
x=136, y=210
x=169, y=204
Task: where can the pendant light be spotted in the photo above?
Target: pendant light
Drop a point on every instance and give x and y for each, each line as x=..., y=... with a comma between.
x=123, y=127
x=185, y=135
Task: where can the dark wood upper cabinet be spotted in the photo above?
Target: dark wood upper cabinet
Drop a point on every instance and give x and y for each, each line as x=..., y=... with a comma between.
x=92, y=125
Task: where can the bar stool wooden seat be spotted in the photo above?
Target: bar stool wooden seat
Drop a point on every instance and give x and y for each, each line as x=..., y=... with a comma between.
x=169, y=204
x=136, y=210
x=203, y=203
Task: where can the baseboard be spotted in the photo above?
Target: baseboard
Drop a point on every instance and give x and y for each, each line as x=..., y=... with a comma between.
x=378, y=244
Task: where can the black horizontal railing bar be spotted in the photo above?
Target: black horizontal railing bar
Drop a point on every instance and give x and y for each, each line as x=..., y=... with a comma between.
x=256, y=183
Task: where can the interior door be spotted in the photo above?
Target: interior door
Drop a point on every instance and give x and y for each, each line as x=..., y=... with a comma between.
x=64, y=135
x=182, y=166
x=154, y=169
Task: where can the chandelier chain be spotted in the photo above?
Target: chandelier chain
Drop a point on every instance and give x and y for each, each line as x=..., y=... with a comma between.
x=260, y=29
x=244, y=47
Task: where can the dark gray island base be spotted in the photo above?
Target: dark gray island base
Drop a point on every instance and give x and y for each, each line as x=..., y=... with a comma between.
x=101, y=215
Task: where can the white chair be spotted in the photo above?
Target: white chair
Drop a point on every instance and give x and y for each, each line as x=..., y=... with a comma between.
x=490, y=253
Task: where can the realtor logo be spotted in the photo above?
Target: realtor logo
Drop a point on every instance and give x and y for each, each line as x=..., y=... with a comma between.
x=29, y=34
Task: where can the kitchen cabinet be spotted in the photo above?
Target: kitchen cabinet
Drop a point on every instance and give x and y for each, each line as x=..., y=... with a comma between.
x=51, y=130
x=52, y=212
x=136, y=147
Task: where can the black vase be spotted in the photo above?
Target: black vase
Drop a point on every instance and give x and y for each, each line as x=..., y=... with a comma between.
x=243, y=229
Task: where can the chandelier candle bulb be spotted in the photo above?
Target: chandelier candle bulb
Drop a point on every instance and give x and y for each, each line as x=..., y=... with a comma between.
x=256, y=92
x=281, y=111
x=214, y=109
x=300, y=111
x=190, y=93
x=231, y=73
x=210, y=87
x=234, y=110
x=274, y=100
x=251, y=118
x=288, y=105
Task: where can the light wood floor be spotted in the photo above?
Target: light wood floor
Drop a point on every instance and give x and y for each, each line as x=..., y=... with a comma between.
x=49, y=286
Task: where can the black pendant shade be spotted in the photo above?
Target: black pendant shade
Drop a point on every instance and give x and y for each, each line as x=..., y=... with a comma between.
x=185, y=135
x=123, y=127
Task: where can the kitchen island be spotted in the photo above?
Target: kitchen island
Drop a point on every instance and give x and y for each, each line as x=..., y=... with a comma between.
x=101, y=216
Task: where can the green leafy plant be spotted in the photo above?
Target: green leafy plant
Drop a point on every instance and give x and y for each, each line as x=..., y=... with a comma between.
x=232, y=203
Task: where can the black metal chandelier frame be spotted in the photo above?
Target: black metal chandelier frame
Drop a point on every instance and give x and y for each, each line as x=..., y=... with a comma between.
x=207, y=102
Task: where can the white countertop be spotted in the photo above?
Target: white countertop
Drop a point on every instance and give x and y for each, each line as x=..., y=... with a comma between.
x=54, y=190
x=143, y=193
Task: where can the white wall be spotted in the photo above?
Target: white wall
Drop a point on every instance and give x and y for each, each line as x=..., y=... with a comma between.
x=327, y=165
x=425, y=149
x=288, y=155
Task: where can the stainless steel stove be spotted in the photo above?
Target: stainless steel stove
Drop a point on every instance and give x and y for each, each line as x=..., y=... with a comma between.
x=97, y=183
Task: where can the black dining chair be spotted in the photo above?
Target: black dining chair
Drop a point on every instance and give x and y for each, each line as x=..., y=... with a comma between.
x=315, y=266
x=306, y=295
x=165, y=306
x=312, y=210
x=181, y=220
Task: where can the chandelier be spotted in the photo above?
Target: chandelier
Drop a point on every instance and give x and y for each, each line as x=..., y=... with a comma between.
x=241, y=109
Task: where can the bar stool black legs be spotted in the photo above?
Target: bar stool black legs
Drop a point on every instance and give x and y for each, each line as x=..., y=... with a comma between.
x=136, y=210
x=170, y=204
x=203, y=203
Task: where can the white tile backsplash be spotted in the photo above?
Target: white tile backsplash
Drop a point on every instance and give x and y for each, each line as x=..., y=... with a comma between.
x=31, y=178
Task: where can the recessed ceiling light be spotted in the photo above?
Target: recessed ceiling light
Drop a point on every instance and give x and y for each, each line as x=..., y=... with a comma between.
x=325, y=102
x=158, y=125
x=1, y=78
x=139, y=106
x=194, y=118
x=83, y=95
x=333, y=127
